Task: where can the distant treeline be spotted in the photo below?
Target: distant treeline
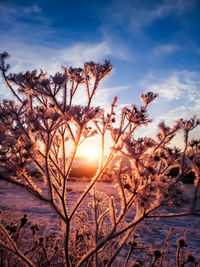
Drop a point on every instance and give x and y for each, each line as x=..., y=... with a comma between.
x=89, y=171
x=81, y=172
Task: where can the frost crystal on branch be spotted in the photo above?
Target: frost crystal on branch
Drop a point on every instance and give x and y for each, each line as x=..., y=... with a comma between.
x=40, y=133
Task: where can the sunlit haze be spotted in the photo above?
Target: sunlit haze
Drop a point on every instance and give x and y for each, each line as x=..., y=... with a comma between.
x=90, y=150
x=91, y=153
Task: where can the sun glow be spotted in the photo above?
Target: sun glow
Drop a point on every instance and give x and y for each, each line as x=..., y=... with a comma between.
x=90, y=151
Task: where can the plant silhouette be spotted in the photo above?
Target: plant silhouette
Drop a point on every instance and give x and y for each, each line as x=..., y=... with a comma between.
x=40, y=132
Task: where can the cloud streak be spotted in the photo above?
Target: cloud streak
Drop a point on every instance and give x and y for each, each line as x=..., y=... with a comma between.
x=138, y=16
x=165, y=49
x=25, y=56
x=79, y=53
x=17, y=18
x=170, y=119
x=178, y=85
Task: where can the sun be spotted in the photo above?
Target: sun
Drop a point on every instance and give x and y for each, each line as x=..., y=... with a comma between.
x=90, y=151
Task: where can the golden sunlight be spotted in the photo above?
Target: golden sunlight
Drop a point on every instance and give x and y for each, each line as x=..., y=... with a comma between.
x=91, y=153
x=89, y=150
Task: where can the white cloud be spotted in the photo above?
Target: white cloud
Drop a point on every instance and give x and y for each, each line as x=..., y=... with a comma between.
x=104, y=95
x=14, y=14
x=25, y=56
x=164, y=49
x=169, y=7
x=79, y=53
x=178, y=85
x=183, y=86
x=175, y=114
x=28, y=57
x=29, y=50
x=170, y=119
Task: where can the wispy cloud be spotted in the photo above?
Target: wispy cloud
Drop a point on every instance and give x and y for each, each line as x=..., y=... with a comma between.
x=165, y=8
x=118, y=45
x=182, y=86
x=126, y=25
x=165, y=49
x=177, y=85
x=105, y=95
x=23, y=25
x=79, y=53
x=20, y=15
x=137, y=16
x=28, y=49
x=19, y=11
x=170, y=118
x=25, y=56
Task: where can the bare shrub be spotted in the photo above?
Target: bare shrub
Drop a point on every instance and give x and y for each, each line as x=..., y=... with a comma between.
x=43, y=129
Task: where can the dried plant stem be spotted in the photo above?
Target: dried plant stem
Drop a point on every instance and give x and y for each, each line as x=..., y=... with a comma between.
x=14, y=250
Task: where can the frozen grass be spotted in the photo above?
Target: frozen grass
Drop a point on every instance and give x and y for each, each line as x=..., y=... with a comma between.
x=151, y=234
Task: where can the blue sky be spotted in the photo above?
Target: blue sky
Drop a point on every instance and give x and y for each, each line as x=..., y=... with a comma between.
x=153, y=45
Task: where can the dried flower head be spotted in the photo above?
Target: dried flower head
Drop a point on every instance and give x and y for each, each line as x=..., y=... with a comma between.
x=148, y=98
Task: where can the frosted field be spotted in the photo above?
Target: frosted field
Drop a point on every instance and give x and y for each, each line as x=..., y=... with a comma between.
x=151, y=233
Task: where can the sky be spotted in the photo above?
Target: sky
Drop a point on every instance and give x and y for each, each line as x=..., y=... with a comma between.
x=153, y=46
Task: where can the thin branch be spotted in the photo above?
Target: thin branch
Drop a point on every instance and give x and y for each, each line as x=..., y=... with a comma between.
x=92, y=183
x=10, y=87
x=15, y=250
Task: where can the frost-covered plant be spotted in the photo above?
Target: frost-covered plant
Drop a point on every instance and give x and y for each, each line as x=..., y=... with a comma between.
x=40, y=133
x=29, y=244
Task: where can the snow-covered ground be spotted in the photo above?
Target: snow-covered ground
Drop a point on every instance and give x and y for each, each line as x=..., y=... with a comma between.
x=151, y=232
